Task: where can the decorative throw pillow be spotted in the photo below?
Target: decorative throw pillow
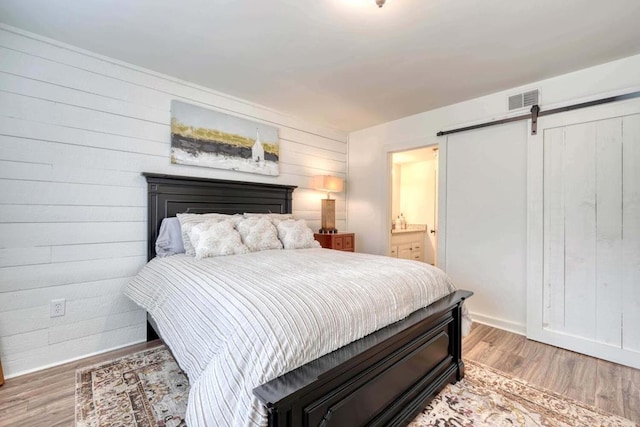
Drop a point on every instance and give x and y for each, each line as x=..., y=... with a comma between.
x=274, y=217
x=188, y=221
x=169, y=241
x=295, y=234
x=198, y=229
x=216, y=238
x=259, y=234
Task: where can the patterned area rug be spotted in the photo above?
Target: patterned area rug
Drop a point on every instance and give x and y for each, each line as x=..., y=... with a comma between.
x=145, y=389
x=490, y=398
x=149, y=389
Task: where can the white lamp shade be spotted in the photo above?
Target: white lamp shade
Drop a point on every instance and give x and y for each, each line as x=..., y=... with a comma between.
x=327, y=183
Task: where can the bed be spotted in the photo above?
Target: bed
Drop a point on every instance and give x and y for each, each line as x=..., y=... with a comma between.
x=384, y=378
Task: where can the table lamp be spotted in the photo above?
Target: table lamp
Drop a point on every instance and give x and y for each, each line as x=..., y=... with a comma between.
x=330, y=184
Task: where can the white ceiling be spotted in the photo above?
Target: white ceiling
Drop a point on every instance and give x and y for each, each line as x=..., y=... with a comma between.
x=345, y=63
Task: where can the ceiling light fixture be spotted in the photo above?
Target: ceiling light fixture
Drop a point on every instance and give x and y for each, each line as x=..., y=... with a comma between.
x=380, y=3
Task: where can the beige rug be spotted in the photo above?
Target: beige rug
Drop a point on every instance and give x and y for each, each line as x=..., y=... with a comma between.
x=148, y=389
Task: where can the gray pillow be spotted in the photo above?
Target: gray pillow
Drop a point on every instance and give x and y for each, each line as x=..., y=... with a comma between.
x=169, y=241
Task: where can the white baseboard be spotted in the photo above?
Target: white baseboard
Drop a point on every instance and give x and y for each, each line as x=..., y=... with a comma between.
x=507, y=325
x=53, y=365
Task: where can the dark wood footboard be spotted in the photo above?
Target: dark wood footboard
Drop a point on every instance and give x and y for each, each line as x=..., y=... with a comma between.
x=383, y=379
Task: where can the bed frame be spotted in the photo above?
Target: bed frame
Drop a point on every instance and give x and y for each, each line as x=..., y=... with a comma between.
x=383, y=379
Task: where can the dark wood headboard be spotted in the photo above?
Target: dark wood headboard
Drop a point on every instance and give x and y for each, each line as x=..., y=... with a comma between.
x=169, y=195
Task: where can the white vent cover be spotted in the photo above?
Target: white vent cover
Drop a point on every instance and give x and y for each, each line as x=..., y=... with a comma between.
x=521, y=100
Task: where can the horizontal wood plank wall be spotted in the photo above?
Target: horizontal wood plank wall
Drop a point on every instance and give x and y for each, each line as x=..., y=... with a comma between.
x=76, y=131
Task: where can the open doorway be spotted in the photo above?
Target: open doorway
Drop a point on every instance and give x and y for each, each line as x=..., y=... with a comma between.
x=414, y=204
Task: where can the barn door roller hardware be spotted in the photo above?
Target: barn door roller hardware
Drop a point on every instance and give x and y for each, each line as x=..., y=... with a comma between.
x=537, y=112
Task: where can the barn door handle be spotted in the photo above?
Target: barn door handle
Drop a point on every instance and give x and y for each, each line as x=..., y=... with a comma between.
x=432, y=231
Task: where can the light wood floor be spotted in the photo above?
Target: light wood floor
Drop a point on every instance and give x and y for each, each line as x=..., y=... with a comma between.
x=46, y=398
x=611, y=387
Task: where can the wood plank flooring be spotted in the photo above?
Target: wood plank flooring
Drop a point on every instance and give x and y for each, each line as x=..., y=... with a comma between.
x=611, y=387
x=46, y=398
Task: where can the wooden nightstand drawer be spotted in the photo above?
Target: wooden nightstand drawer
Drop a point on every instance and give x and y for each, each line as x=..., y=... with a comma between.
x=348, y=242
x=337, y=241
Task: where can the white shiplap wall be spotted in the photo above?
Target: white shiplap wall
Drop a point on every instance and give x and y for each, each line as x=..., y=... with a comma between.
x=76, y=131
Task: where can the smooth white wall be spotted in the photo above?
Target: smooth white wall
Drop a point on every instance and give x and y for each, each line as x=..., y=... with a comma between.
x=486, y=221
x=76, y=131
x=369, y=187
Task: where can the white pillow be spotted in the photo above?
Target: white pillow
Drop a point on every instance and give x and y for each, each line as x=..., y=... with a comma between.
x=198, y=229
x=274, y=217
x=259, y=234
x=188, y=221
x=295, y=234
x=216, y=238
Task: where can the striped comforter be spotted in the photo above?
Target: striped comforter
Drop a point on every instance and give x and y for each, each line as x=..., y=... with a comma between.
x=238, y=321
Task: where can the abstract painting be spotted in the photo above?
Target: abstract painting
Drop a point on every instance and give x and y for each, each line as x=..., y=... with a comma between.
x=202, y=137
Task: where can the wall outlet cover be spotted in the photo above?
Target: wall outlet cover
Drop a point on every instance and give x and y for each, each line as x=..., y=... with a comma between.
x=57, y=307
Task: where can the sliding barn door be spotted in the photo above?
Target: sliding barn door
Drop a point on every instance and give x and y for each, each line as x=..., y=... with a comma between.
x=583, y=290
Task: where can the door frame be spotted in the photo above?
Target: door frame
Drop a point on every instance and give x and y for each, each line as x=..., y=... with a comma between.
x=413, y=144
x=535, y=233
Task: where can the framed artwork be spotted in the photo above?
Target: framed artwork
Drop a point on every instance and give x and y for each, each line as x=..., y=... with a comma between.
x=207, y=138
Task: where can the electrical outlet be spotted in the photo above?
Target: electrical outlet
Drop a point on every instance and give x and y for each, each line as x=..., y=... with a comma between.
x=57, y=307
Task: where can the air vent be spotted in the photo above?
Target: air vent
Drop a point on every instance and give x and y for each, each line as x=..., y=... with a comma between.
x=521, y=100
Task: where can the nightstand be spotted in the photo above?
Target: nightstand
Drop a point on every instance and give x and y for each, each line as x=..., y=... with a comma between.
x=338, y=241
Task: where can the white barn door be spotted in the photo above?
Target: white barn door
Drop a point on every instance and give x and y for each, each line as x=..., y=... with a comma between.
x=583, y=261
